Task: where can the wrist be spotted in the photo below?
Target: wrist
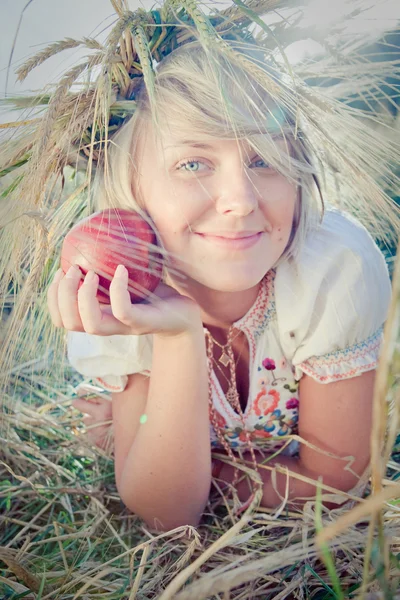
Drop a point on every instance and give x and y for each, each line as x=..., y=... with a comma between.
x=194, y=329
x=188, y=337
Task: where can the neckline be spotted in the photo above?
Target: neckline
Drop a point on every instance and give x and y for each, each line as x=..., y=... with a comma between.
x=248, y=324
x=256, y=311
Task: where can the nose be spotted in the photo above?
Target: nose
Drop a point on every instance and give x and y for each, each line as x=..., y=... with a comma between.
x=236, y=193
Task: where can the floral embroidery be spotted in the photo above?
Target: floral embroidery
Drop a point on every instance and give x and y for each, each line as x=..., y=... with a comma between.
x=277, y=419
x=286, y=427
x=275, y=425
x=260, y=433
x=271, y=423
x=266, y=402
x=268, y=364
x=264, y=420
x=292, y=387
x=292, y=403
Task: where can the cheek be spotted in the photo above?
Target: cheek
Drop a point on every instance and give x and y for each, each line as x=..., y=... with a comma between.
x=280, y=211
x=175, y=215
x=162, y=208
x=170, y=222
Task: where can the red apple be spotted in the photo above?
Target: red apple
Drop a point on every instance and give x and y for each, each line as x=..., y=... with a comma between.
x=111, y=237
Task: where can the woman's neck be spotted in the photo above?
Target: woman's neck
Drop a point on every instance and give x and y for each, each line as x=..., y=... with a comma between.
x=218, y=309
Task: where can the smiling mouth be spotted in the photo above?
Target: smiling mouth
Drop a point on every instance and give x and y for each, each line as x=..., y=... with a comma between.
x=232, y=243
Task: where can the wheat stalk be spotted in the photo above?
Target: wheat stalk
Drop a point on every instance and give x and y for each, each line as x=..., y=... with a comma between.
x=53, y=49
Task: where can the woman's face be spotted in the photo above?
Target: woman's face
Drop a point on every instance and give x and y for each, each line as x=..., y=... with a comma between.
x=223, y=214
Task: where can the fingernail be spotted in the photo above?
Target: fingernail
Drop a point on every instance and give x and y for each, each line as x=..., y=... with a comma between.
x=59, y=275
x=72, y=271
x=90, y=275
x=120, y=271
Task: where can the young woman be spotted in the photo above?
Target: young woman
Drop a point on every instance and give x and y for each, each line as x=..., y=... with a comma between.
x=273, y=326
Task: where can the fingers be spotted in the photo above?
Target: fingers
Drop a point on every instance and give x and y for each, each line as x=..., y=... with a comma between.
x=119, y=295
x=67, y=299
x=52, y=299
x=88, y=305
x=97, y=434
x=97, y=420
x=100, y=410
x=73, y=304
x=106, y=319
x=84, y=406
x=62, y=299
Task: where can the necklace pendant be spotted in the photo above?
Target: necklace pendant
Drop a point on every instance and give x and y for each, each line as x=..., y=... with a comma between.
x=224, y=359
x=231, y=396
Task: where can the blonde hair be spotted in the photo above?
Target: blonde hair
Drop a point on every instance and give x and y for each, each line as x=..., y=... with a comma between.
x=200, y=94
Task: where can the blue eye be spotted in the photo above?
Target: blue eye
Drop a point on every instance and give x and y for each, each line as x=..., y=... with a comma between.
x=190, y=166
x=260, y=164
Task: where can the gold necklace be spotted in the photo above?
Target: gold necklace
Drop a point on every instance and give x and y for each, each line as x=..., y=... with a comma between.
x=232, y=396
x=224, y=359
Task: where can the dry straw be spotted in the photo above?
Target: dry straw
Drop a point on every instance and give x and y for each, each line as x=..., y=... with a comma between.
x=62, y=515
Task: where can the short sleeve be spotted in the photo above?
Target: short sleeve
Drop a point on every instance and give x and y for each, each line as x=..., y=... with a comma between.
x=332, y=301
x=108, y=360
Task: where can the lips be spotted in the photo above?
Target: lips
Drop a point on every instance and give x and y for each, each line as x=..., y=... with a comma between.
x=240, y=241
x=230, y=235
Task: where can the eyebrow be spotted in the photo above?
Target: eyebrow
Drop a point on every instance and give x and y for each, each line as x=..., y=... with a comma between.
x=191, y=143
x=204, y=146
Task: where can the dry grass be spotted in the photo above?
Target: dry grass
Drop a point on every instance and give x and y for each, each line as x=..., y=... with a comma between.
x=65, y=533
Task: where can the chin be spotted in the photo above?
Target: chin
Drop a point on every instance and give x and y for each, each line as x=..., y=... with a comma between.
x=231, y=282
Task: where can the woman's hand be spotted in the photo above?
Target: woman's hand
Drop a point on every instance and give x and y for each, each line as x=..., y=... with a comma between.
x=166, y=313
x=98, y=420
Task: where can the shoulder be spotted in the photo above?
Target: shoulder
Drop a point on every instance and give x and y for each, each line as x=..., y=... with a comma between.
x=338, y=232
x=334, y=295
x=338, y=249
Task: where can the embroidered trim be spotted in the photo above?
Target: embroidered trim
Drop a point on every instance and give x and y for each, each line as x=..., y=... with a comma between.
x=256, y=320
x=338, y=376
x=108, y=386
x=339, y=364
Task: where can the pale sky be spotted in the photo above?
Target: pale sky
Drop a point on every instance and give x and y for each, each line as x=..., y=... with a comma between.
x=44, y=22
x=47, y=21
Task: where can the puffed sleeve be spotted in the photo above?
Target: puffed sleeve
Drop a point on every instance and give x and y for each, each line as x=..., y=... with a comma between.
x=332, y=301
x=108, y=360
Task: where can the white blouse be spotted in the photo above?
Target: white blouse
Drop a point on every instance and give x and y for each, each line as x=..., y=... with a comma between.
x=320, y=313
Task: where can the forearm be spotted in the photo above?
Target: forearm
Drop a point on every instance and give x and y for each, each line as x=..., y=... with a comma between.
x=282, y=482
x=287, y=477
x=167, y=473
